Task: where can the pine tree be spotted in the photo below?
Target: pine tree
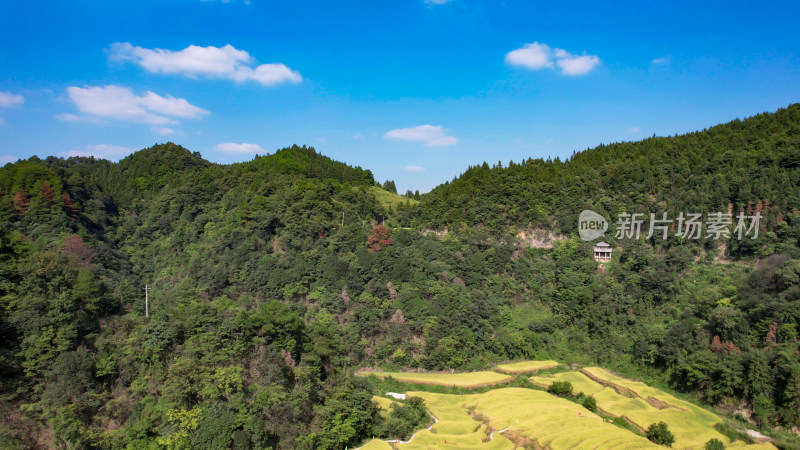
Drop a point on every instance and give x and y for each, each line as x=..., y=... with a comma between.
x=389, y=185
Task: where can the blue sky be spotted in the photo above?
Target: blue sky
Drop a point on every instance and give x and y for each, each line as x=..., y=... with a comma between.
x=414, y=90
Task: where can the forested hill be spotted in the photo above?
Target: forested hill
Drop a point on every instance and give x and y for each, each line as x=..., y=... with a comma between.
x=737, y=164
x=271, y=282
x=217, y=244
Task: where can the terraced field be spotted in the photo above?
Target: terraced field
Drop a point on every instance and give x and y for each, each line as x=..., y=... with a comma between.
x=526, y=366
x=462, y=380
x=536, y=416
x=376, y=444
x=506, y=418
x=643, y=405
x=580, y=382
x=384, y=404
x=492, y=419
x=456, y=427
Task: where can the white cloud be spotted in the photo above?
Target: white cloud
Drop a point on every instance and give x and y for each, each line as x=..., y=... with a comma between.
x=110, y=152
x=232, y=147
x=438, y=2
x=414, y=169
x=536, y=56
x=163, y=130
x=213, y=62
x=66, y=117
x=357, y=136
x=119, y=102
x=431, y=136
x=532, y=56
x=634, y=130
x=7, y=99
x=575, y=65
x=660, y=61
x=7, y=159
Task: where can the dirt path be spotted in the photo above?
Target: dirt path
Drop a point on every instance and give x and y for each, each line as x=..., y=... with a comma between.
x=400, y=441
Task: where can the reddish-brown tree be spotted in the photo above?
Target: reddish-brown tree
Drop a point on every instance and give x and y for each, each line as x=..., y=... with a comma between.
x=21, y=201
x=48, y=192
x=379, y=238
x=69, y=207
x=75, y=249
x=771, y=339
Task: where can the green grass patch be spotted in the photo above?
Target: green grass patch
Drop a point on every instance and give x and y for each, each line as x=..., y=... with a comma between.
x=390, y=200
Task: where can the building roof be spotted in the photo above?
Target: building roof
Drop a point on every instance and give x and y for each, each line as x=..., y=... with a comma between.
x=602, y=244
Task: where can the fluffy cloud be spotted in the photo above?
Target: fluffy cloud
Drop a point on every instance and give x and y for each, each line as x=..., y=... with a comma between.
x=438, y=2
x=536, y=56
x=7, y=159
x=431, y=136
x=533, y=56
x=232, y=147
x=164, y=130
x=119, y=102
x=7, y=99
x=66, y=117
x=634, y=130
x=575, y=64
x=110, y=152
x=213, y=62
x=414, y=169
x=660, y=61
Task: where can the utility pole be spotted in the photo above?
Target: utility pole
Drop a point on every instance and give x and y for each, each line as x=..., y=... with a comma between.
x=342, y=218
x=146, y=302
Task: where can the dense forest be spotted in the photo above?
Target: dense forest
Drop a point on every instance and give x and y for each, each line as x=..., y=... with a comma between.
x=271, y=281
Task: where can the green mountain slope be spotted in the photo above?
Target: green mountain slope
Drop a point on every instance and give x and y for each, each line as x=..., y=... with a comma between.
x=735, y=165
x=263, y=299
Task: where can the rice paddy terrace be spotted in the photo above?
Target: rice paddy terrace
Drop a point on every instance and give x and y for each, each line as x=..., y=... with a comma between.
x=508, y=417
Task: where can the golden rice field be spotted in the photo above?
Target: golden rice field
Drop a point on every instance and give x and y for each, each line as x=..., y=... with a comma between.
x=376, y=444
x=580, y=382
x=526, y=366
x=643, y=405
x=527, y=414
x=456, y=427
x=385, y=404
x=462, y=380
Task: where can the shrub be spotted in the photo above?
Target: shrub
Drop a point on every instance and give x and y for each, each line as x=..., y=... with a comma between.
x=404, y=418
x=589, y=403
x=560, y=388
x=715, y=444
x=660, y=434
